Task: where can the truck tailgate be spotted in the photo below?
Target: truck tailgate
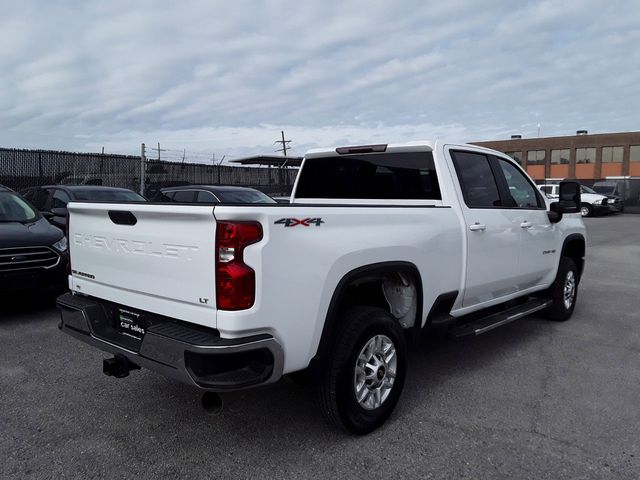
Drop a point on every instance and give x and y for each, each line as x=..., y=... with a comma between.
x=144, y=255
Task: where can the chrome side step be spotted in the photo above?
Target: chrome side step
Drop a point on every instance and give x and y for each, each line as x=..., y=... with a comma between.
x=483, y=325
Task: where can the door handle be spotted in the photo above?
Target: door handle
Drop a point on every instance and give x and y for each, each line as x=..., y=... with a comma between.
x=477, y=227
x=526, y=224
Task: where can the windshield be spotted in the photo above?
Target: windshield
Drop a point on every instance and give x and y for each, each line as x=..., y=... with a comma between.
x=92, y=195
x=587, y=189
x=15, y=209
x=244, y=196
x=604, y=189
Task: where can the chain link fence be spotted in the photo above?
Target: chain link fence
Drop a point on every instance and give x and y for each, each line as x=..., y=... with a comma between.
x=20, y=169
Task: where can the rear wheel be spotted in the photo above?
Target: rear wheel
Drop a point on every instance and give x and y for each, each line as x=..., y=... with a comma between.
x=586, y=210
x=563, y=291
x=362, y=381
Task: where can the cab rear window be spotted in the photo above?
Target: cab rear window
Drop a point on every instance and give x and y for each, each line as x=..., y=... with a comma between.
x=403, y=176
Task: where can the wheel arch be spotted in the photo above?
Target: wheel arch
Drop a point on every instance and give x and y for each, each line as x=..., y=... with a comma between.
x=574, y=247
x=368, y=274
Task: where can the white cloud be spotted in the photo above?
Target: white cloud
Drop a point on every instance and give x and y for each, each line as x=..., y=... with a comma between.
x=228, y=76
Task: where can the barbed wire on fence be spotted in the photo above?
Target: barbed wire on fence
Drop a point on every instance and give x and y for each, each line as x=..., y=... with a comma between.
x=22, y=168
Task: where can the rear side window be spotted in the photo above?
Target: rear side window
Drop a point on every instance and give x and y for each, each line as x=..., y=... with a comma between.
x=205, y=197
x=244, y=196
x=60, y=199
x=478, y=184
x=184, y=196
x=389, y=176
x=39, y=199
x=95, y=195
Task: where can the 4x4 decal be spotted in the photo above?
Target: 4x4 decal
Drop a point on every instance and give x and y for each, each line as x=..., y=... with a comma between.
x=294, y=222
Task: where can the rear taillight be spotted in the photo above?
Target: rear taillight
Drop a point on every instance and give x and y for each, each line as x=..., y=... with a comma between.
x=235, y=281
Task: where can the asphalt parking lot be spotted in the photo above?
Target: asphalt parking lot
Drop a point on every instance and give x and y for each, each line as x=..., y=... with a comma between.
x=534, y=399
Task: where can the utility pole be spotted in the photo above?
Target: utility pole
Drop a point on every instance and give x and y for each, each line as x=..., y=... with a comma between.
x=284, y=143
x=159, y=150
x=143, y=168
x=218, y=168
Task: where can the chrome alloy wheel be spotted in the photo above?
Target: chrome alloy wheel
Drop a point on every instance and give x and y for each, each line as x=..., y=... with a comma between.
x=584, y=211
x=569, y=291
x=375, y=372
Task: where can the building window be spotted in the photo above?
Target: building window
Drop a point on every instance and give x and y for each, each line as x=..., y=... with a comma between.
x=634, y=153
x=560, y=156
x=535, y=157
x=612, y=154
x=585, y=155
x=517, y=156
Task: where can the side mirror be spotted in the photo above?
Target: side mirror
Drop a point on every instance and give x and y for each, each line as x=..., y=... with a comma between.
x=569, y=201
x=59, y=212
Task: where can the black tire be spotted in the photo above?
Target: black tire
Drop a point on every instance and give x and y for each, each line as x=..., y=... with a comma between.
x=586, y=210
x=559, y=311
x=337, y=389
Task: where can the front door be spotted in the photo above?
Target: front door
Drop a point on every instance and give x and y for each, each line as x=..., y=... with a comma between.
x=539, y=249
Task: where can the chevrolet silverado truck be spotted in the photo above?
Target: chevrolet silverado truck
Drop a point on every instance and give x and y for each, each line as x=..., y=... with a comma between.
x=379, y=243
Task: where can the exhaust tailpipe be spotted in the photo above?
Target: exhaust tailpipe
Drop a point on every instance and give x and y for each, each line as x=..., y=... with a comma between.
x=212, y=403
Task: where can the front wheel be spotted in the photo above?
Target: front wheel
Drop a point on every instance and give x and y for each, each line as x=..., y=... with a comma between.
x=362, y=381
x=563, y=291
x=586, y=210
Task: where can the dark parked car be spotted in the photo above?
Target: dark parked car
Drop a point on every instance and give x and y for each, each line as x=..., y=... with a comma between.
x=33, y=253
x=51, y=200
x=214, y=194
x=612, y=190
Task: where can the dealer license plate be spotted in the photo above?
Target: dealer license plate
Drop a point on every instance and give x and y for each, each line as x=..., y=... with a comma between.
x=130, y=323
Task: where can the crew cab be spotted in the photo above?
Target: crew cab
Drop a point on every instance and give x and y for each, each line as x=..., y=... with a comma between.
x=378, y=243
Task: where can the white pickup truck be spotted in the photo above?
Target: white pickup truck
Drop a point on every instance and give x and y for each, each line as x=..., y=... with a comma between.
x=378, y=243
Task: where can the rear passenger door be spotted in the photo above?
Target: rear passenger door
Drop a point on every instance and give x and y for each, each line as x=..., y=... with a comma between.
x=493, y=233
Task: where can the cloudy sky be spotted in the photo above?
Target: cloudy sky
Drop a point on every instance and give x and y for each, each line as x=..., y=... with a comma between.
x=227, y=76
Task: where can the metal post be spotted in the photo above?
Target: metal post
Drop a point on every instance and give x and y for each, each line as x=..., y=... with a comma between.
x=284, y=144
x=143, y=168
